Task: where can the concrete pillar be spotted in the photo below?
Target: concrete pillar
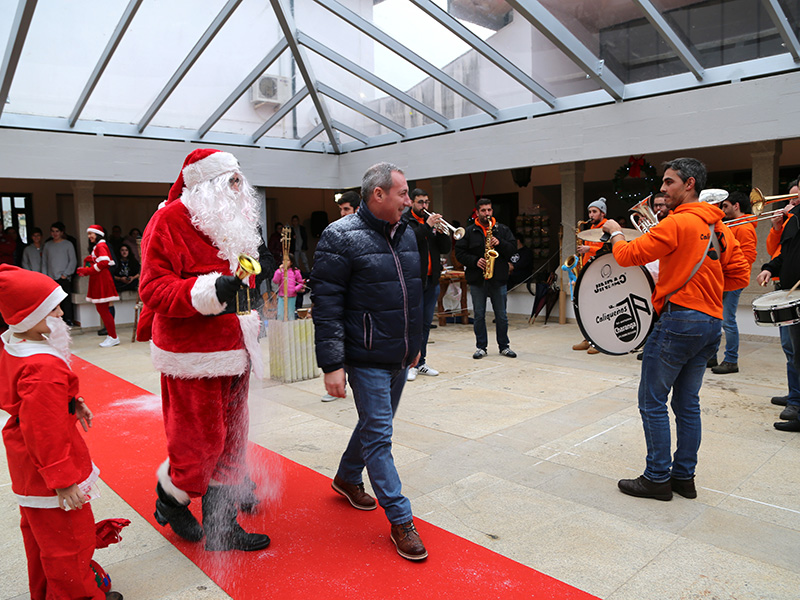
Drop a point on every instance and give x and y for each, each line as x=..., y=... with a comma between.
x=766, y=162
x=83, y=205
x=571, y=203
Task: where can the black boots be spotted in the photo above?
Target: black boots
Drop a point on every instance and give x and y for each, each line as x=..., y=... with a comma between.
x=248, y=501
x=179, y=517
x=223, y=532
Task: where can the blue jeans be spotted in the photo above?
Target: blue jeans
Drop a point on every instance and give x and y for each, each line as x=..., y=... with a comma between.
x=377, y=394
x=497, y=294
x=429, y=298
x=675, y=357
x=791, y=372
x=730, y=302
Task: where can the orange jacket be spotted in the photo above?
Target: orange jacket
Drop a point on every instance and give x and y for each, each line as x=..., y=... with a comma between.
x=746, y=234
x=593, y=246
x=774, y=239
x=678, y=242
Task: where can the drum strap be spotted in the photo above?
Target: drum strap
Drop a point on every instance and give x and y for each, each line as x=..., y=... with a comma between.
x=712, y=240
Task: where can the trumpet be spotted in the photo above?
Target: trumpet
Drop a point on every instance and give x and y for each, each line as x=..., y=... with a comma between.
x=445, y=227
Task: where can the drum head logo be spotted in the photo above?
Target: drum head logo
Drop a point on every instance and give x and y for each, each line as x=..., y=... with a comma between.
x=605, y=272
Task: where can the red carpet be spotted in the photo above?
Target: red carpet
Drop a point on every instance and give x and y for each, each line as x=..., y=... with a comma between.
x=321, y=547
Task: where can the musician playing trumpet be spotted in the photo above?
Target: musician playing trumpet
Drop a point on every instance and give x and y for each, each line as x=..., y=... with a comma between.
x=699, y=258
x=587, y=251
x=432, y=243
x=482, y=238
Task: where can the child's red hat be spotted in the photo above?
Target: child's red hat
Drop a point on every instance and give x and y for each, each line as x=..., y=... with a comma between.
x=27, y=297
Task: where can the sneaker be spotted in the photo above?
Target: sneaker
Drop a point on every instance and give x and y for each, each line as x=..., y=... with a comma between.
x=584, y=345
x=508, y=352
x=407, y=541
x=412, y=374
x=641, y=487
x=725, y=367
x=329, y=398
x=684, y=487
x=355, y=494
x=426, y=370
x=109, y=341
x=479, y=353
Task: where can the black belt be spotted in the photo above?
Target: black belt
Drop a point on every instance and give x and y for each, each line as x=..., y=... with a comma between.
x=672, y=307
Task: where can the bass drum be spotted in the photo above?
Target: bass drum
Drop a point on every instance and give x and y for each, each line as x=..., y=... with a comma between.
x=613, y=305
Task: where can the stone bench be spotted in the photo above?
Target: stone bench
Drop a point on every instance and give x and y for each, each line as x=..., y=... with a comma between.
x=86, y=313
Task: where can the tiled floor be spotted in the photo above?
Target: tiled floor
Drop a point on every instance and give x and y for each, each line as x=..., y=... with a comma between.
x=522, y=456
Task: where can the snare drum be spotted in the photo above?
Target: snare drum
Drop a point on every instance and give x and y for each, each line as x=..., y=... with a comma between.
x=777, y=308
x=613, y=305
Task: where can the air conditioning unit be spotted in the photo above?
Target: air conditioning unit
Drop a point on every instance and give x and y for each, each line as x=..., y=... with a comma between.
x=270, y=89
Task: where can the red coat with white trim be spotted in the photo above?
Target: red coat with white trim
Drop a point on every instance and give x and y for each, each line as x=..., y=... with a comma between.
x=44, y=447
x=101, y=282
x=180, y=265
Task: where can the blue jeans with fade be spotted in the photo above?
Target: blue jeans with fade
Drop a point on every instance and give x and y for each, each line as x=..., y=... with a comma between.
x=730, y=303
x=377, y=394
x=791, y=373
x=675, y=357
x=497, y=294
x=429, y=298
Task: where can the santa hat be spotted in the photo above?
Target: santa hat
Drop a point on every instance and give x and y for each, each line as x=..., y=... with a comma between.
x=96, y=229
x=202, y=165
x=27, y=297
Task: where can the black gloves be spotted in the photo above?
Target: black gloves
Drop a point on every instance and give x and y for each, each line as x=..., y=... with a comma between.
x=226, y=286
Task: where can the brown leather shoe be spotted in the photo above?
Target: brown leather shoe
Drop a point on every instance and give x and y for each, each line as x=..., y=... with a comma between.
x=584, y=345
x=355, y=494
x=406, y=540
x=593, y=351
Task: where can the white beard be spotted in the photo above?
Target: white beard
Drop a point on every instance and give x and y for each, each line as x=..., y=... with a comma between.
x=59, y=338
x=229, y=218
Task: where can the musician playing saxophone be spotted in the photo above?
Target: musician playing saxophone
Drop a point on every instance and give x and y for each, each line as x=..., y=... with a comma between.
x=699, y=258
x=481, y=238
x=587, y=251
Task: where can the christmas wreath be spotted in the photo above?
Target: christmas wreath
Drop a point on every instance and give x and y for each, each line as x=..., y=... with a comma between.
x=635, y=180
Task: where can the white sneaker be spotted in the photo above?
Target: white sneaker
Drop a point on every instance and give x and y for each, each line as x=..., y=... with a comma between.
x=109, y=341
x=412, y=374
x=426, y=370
x=329, y=398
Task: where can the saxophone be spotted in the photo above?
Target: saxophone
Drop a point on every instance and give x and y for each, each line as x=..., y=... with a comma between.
x=490, y=254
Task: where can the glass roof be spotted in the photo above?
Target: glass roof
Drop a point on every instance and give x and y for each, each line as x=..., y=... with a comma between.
x=343, y=75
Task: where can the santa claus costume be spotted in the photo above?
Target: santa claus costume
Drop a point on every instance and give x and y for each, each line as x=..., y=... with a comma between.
x=45, y=450
x=202, y=348
x=101, y=283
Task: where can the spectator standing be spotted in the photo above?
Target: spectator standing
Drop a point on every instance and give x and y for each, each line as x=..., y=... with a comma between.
x=32, y=255
x=59, y=262
x=299, y=244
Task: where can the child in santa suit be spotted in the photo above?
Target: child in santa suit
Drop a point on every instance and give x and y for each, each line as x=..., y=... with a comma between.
x=52, y=475
x=101, y=284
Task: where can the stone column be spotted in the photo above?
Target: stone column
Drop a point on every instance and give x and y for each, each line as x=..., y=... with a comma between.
x=571, y=203
x=83, y=205
x=766, y=162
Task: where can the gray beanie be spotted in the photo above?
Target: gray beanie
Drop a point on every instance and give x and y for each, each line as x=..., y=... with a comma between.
x=600, y=204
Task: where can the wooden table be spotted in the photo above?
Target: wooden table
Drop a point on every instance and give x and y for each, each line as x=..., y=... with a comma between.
x=446, y=278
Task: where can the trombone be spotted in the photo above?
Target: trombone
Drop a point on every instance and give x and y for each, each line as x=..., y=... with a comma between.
x=445, y=227
x=758, y=201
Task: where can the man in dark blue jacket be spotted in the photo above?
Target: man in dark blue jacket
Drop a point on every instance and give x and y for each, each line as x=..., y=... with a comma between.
x=367, y=296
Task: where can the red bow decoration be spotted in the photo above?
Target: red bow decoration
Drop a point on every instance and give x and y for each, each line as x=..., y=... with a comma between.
x=636, y=164
x=107, y=532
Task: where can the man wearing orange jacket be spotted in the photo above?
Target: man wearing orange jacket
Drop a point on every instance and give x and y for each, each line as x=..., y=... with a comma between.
x=736, y=206
x=791, y=400
x=588, y=250
x=695, y=268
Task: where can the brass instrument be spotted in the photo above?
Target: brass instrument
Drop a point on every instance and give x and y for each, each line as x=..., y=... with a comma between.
x=490, y=254
x=445, y=227
x=573, y=263
x=647, y=219
x=757, y=203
